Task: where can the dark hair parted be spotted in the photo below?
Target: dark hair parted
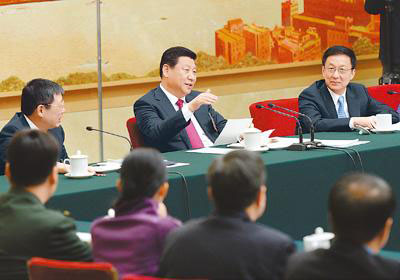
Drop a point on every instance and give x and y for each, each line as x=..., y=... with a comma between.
x=38, y=92
x=359, y=205
x=235, y=180
x=142, y=173
x=32, y=155
x=338, y=50
x=172, y=55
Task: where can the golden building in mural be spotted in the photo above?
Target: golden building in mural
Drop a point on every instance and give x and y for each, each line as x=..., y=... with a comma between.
x=258, y=41
x=229, y=41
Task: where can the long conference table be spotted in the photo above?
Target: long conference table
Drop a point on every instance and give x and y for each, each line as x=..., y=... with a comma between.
x=298, y=185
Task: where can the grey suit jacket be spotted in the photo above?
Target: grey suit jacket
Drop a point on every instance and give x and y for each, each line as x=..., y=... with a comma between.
x=317, y=103
x=163, y=128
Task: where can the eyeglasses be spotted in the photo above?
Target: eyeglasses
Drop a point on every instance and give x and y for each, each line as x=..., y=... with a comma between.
x=58, y=106
x=341, y=70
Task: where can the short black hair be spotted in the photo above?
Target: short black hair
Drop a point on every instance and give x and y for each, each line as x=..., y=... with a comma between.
x=235, y=180
x=38, y=92
x=337, y=50
x=172, y=55
x=142, y=173
x=32, y=155
x=359, y=205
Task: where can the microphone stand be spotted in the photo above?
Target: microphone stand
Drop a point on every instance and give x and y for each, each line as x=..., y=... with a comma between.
x=301, y=146
x=312, y=128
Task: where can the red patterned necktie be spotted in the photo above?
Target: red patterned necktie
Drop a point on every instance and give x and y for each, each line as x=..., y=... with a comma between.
x=194, y=137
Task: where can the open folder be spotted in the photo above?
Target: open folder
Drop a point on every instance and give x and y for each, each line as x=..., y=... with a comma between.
x=232, y=130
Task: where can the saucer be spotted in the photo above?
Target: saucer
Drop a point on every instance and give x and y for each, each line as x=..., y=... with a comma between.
x=87, y=175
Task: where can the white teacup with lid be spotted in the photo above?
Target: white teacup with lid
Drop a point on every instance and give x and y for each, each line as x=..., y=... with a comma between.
x=78, y=164
x=319, y=239
x=252, y=138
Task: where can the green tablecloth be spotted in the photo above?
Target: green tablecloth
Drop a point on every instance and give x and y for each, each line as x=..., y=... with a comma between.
x=298, y=184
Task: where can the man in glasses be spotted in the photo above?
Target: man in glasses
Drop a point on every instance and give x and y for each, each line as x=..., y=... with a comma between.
x=42, y=107
x=335, y=104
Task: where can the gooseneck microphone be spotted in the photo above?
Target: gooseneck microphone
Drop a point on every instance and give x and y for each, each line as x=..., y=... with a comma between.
x=89, y=128
x=295, y=146
x=312, y=128
x=392, y=92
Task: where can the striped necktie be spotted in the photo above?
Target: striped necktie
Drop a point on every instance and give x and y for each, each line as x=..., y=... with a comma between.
x=341, y=113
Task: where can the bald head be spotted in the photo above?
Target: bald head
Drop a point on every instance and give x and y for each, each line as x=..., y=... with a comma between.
x=359, y=205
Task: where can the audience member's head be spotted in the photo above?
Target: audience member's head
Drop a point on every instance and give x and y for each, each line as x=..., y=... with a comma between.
x=43, y=101
x=31, y=158
x=143, y=175
x=237, y=182
x=338, y=68
x=361, y=206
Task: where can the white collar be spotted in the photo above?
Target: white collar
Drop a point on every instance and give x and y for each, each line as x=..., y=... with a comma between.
x=336, y=96
x=30, y=123
x=172, y=98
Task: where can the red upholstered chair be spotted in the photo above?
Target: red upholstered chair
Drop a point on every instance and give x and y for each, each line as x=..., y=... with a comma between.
x=380, y=94
x=46, y=269
x=140, y=277
x=134, y=133
x=264, y=119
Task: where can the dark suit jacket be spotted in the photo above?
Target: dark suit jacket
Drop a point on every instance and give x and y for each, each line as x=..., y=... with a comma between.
x=28, y=229
x=225, y=247
x=342, y=261
x=17, y=123
x=378, y=7
x=163, y=128
x=317, y=103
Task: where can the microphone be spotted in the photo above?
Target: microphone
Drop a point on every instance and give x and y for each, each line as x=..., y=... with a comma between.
x=392, y=92
x=295, y=146
x=312, y=128
x=89, y=128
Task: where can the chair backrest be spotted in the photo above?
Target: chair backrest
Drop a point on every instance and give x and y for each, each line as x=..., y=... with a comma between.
x=380, y=93
x=140, y=277
x=265, y=119
x=134, y=133
x=13, y=268
x=47, y=269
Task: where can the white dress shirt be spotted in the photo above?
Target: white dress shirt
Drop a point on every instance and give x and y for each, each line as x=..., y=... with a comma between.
x=188, y=115
x=335, y=98
x=31, y=124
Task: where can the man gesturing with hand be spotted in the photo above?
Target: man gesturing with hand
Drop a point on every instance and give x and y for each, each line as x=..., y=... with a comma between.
x=174, y=117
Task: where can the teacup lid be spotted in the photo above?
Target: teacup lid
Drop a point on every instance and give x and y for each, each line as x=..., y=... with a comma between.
x=319, y=235
x=78, y=155
x=252, y=130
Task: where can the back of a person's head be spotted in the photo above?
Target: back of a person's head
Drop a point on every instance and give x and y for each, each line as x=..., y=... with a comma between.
x=359, y=205
x=32, y=155
x=38, y=92
x=235, y=180
x=172, y=55
x=142, y=173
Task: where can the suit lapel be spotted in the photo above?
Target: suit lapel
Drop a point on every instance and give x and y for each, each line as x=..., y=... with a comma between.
x=353, y=106
x=168, y=110
x=327, y=98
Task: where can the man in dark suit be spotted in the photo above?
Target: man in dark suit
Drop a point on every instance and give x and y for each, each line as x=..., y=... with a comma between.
x=229, y=244
x=173, y=116
x=42, y=107
x=28, y=229
x=361, y=209
x=335, y=104
x=378, y=7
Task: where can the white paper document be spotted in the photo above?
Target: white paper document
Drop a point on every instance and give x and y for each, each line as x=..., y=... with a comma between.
x=231, y=132
x=217, y=151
